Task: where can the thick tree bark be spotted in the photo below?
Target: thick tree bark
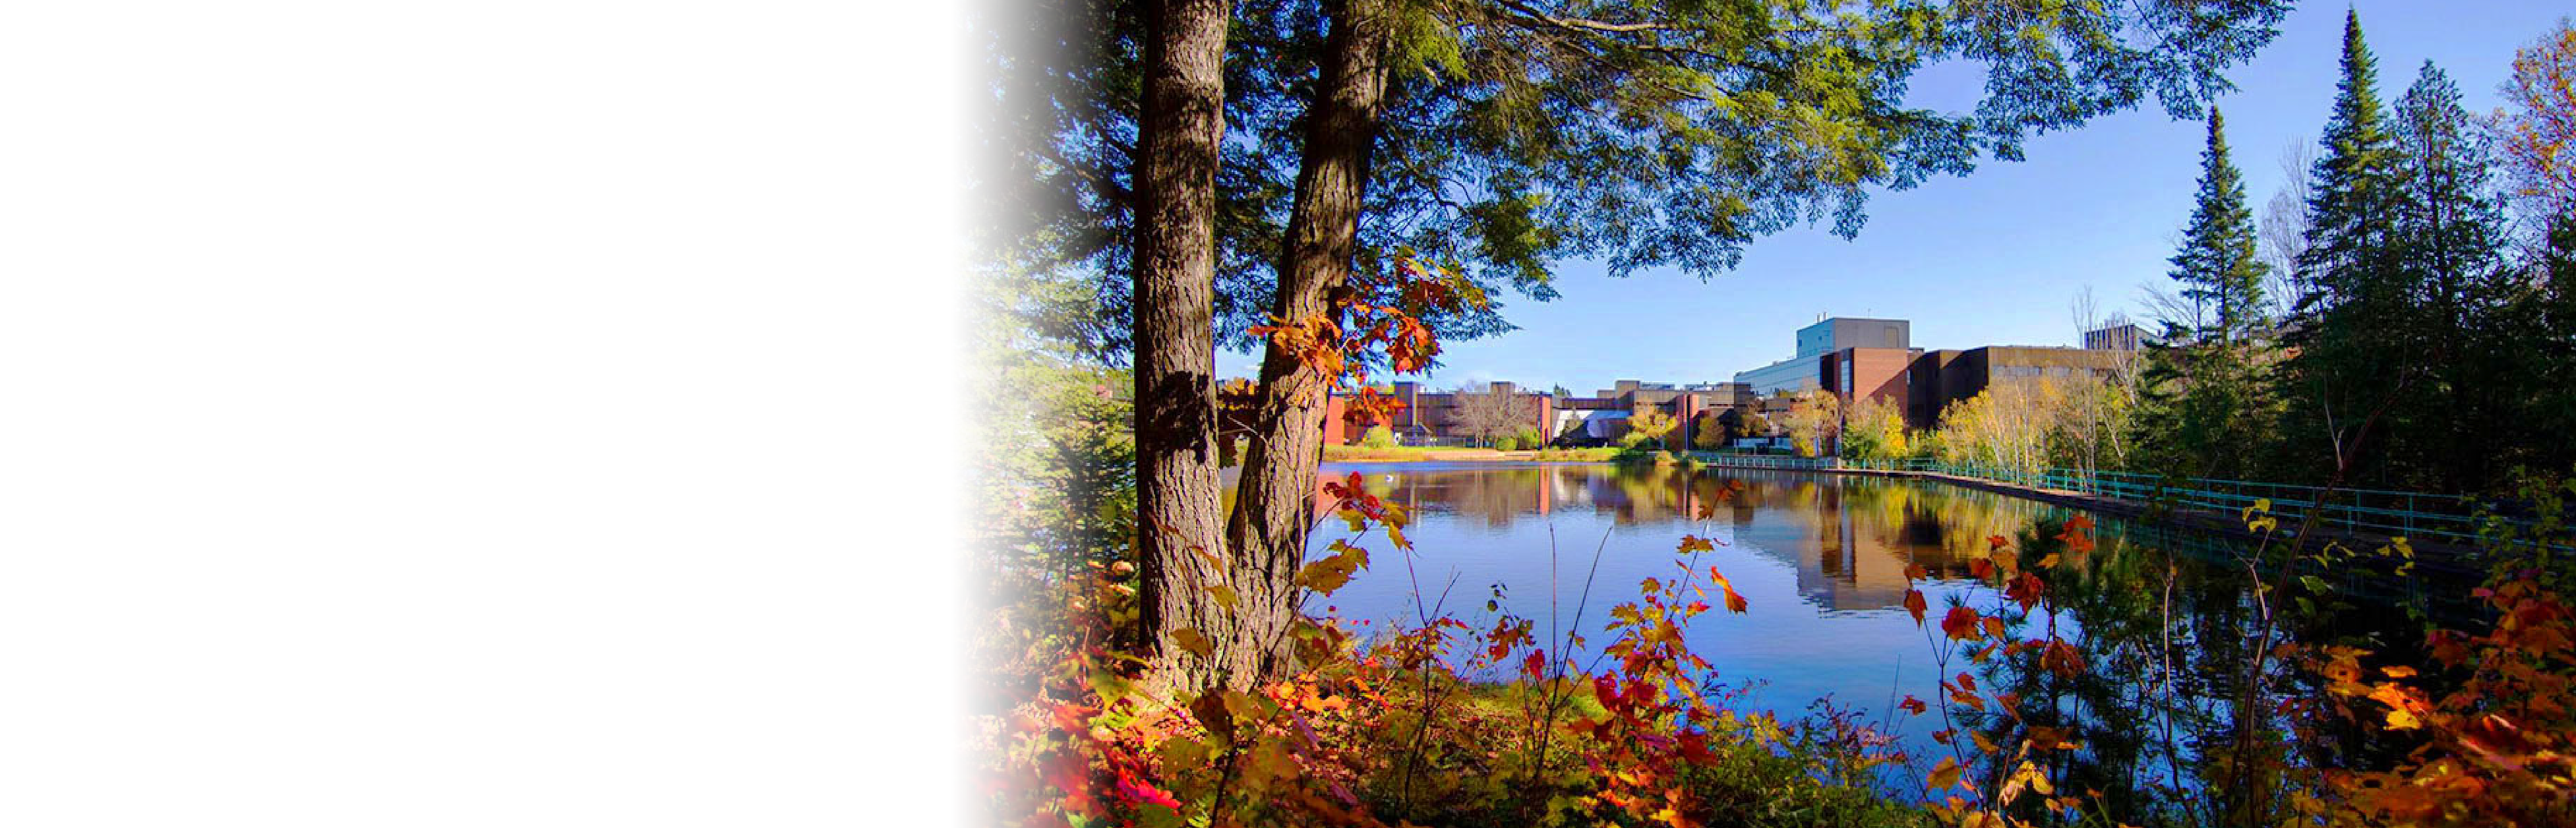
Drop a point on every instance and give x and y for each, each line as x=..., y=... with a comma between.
x=1178, y=492
x=1275, y=497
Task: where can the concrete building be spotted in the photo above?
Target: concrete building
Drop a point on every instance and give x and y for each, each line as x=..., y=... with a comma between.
x=1935, y=379
x=1802, y=372
x=2120, y=337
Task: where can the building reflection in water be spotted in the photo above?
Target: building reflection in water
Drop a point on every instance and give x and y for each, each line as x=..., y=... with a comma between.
x=1849, y=538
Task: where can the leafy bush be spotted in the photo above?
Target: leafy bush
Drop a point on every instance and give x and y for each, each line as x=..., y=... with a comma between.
x=1507, y=444
x=1378, y=437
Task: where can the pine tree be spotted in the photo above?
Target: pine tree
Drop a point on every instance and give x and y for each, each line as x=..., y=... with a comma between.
x=2203, y=376
x=2349, y=364
x=2352, y=210
x=2217, y=265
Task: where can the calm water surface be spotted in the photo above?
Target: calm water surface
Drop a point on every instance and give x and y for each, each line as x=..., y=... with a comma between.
x=1821, y=558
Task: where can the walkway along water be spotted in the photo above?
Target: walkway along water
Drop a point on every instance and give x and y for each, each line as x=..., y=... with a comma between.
x=2441, y=529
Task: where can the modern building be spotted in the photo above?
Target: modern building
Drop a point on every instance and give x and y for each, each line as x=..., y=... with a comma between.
x=1802, y=372
x=1855, y=359
x=1936, y=379
x=2120, y=337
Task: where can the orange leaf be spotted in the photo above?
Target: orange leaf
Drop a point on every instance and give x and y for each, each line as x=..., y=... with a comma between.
x=1961, y=624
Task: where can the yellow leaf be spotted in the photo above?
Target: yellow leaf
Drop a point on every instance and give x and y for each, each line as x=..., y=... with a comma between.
x=1193, y=641
x=1945, y=774
x=1224, y=595
x=1331, y=573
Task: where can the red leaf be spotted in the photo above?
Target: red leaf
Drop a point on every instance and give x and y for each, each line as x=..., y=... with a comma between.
x=1961, y=624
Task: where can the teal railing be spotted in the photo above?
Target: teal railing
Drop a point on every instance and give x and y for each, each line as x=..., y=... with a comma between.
x=2392, y=513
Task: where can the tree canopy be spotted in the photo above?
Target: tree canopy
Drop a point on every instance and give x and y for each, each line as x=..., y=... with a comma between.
x=1516, y=135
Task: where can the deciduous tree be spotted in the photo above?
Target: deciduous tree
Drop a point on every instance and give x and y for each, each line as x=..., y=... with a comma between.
x=2539, y=125
x=1651, y=424
x=1524, y=131
x=1814, y=419
x=1487, y=413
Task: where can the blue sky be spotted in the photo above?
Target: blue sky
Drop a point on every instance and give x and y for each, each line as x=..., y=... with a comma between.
x=1997, y=257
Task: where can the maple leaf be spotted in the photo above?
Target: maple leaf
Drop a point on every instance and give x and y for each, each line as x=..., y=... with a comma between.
x=1734, y=601
x=1325, y=576
x=1914, y=604
x=1961, y=624
x=1944, y=775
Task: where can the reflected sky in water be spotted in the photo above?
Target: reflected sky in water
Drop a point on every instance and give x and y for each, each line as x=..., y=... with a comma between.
x=1821, y=559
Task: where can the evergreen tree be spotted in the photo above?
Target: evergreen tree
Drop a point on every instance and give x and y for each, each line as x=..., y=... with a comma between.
x=2217, y=265
x=2457, y=429
x=2202, y=377
x=2350, y=364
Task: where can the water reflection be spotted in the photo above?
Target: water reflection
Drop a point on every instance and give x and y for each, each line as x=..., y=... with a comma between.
x=2165, y=619
x=1848, y=538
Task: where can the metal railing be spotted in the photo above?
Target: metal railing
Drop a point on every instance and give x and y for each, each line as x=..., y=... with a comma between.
x=2392, y=513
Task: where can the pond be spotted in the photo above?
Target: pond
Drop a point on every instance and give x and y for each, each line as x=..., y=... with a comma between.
x=1821, y=558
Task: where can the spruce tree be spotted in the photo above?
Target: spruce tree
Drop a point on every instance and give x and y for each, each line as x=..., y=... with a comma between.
x=2348, y=366
x=2217, y=265
x=2352, y=208
x=2203, y=376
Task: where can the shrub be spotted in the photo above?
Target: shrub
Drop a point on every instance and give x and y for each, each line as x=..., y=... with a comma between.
x=1507, y=444
x=1378, y=437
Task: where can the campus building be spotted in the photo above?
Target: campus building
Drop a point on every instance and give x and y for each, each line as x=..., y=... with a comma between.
x=1430, y=418
x=1936, y=379
x=2120, y=337
x=1854, y=359
x=1804, y=371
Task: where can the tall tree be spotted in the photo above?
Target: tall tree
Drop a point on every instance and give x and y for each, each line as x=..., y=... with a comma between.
x=1178, y=497
x=2466, y=417
x=2540, y=128
x=2204, y=375
x=2217, y=264
x=1491, y=138
x=2350, y=363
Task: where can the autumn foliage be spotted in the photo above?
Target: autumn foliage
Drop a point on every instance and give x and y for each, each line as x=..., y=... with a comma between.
x=1441, y=721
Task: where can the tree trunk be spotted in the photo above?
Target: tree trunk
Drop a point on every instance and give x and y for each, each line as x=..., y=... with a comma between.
x=1275, y=498
x=1178, y=493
